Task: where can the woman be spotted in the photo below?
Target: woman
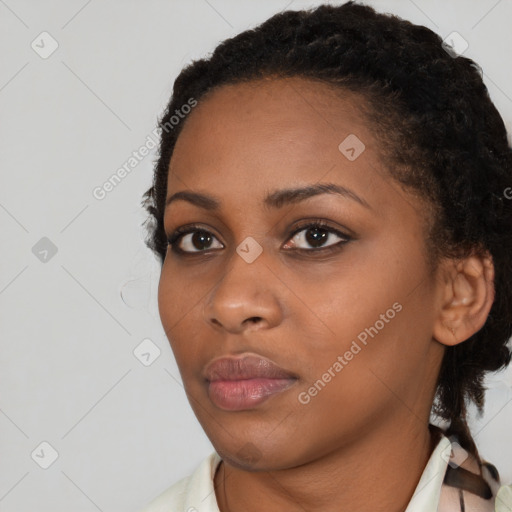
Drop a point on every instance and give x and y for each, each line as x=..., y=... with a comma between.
x=328, y=207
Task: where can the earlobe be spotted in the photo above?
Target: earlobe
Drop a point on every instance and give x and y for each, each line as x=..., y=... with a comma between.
x=467, y=295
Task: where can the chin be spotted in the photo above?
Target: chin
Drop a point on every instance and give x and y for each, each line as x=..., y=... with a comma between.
x=248, y=456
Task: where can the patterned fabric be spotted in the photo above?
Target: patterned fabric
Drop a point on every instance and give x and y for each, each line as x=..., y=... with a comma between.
x=468, y=486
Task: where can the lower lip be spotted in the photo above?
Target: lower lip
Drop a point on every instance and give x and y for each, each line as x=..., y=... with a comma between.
x=237, y=395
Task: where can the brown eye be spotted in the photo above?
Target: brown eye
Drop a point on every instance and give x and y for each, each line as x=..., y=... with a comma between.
x=191, y=240
x=317, y=236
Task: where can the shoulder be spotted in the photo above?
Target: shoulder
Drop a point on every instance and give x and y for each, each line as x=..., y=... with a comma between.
x=456, y=481
x=469, y=484
x=194, y=493
x=504, y=499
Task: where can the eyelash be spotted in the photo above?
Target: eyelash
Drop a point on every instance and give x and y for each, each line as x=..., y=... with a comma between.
x=180, y=232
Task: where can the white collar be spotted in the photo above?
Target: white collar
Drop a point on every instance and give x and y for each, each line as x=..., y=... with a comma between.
x=196, y=492
x=428, y=490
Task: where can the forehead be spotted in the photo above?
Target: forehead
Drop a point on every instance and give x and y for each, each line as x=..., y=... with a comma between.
x=267, y=129
x=243, y=142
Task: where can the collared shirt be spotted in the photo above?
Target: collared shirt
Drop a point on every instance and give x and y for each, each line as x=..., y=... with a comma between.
x=196, y=492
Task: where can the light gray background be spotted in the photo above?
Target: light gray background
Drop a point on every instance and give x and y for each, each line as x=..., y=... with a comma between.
x=124, y=431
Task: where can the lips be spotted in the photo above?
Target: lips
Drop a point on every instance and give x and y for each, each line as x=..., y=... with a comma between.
x=246, y=367
x=238, y=383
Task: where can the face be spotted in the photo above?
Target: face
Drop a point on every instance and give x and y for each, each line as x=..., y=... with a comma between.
x=331, y=285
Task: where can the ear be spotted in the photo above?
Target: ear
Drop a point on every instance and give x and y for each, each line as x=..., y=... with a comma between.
x=466, y=296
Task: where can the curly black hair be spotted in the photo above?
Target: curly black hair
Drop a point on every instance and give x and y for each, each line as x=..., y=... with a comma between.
x=440, y=136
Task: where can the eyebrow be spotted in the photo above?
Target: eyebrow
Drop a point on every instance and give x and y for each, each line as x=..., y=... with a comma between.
x=276, y=199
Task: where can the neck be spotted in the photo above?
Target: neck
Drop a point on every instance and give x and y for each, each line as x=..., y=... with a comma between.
x=360, y=477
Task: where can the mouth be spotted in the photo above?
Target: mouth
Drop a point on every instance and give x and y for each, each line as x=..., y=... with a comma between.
x=243, y=382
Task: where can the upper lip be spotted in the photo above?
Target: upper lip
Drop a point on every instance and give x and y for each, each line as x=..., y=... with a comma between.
x=244, y=367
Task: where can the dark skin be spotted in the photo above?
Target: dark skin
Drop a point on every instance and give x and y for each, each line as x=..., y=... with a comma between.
x=367, y=430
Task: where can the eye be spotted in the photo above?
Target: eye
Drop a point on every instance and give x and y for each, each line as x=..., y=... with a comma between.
x=194, y=239
x=185, y=239
x=316, y=234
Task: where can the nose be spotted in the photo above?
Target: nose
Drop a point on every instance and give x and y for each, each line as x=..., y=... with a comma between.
x=245, y=298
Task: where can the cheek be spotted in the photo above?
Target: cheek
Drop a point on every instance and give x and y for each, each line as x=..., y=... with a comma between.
x=337, y=303
x=167, y=304
x=179, y=305
x=178, y=296
x=372, y=313
x=371, y=368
